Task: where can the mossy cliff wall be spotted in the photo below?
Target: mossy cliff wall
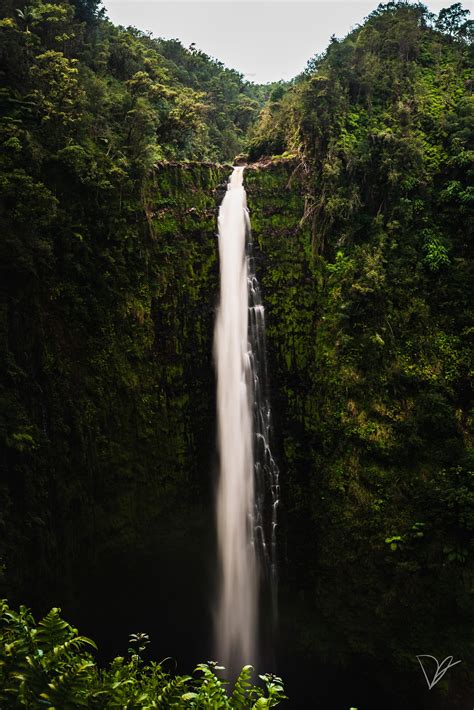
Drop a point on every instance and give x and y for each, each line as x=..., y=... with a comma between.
x=368, y=368
x=108, y=427
x=108, y=401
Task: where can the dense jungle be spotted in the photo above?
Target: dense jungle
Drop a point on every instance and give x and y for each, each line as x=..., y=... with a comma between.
x=116, y=148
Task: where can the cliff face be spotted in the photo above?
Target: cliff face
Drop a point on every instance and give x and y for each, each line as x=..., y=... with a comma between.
x=109, y=434
x=289, y=281
x=368, y=375
x=108, y=403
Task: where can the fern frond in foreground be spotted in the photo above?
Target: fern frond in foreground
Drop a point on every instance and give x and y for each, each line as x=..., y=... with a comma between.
x=48, y=665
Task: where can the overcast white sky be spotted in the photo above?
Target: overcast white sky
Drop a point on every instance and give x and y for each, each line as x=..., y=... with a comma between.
x=264, y=40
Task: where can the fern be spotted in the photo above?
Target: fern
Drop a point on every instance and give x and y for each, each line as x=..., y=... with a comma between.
x=70, y=689
x=240, y=696
x=48, y=666
x=53, y=631
x=212, y=693
x=74, y=644
x=171, y=693
x=261, y=704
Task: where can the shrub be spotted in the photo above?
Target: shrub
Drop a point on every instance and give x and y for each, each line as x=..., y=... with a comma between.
x=48, y=665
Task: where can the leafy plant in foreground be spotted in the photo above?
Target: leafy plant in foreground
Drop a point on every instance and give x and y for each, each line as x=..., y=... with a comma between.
x=48, y=665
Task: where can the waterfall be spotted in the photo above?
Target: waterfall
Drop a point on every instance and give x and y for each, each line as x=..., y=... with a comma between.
x=266, y=473
x=248, y=478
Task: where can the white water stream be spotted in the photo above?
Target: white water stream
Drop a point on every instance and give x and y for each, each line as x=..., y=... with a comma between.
x=248, y=479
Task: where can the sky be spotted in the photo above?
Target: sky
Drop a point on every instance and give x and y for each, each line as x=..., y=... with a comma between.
x=264, y=40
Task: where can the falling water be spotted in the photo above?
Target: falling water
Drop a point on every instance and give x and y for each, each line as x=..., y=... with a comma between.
x=248, y=481
x=266, y=473
x=238, y=600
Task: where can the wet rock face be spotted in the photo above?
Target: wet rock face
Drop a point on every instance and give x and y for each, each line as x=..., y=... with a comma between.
x=121, y=420
x=358, y=462
x=111, y=400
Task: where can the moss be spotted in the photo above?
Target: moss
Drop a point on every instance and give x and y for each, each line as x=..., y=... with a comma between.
x=365, y=410
x=112, y=425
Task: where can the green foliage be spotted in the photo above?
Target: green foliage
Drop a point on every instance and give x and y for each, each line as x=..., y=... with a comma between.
x=366, y=270
x=436, y=254
x=88, y=10
x=96, y=391
x=108, y=263
x=42, y=664
x=48, y=664
x=270, y=135
x=453, y=22
x=132, y=97
x=97, y=230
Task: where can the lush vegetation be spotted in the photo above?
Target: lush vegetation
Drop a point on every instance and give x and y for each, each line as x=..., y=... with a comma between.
x=96, y=232
x=113, y=97
x=369, y=308
x=108, y=272
x=108, y=284
x=49, y=665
